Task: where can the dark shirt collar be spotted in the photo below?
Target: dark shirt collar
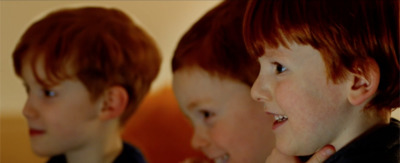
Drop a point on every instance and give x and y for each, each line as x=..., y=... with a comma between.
x=381, y=145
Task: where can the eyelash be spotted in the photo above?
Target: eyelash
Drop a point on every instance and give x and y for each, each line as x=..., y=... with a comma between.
x=46, y=92
x=205, y=114
x=49, y=93
x=279, y=68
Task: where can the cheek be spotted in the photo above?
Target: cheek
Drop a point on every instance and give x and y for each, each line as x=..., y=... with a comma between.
x=63, y=123
x=300, y=101
x=247, y=136
x=221, y=134
x=231, y=133
x=310, y=104
x=84, y=110
x=288, y=95
x=68, y=119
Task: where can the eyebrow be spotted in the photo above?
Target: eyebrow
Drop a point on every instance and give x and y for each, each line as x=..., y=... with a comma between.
x=196, y=103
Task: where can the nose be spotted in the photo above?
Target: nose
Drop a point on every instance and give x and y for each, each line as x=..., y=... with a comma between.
x=29, y=110
x=261, y=89
x=200, y=139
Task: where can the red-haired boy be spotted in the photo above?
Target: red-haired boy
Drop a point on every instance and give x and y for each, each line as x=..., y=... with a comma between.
x=85, y=71
x=329, y=74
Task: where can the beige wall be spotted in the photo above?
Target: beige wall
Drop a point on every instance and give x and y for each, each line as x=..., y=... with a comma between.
x=165, y=20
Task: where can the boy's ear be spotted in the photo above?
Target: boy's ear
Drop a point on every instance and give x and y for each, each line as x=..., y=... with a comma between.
x=115, y=101
x=365, y=84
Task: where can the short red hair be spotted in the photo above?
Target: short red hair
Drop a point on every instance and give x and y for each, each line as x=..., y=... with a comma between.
x=215, y=44
x=102, y=46
x=346, y=32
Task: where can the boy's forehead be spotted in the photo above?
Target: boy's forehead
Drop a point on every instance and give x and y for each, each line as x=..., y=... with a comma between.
x=31, y=70
x=279, y=51
x=291, y=50
x=35, y=63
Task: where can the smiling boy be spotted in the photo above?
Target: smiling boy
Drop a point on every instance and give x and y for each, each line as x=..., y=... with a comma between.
x=85, y=71
x=329, y=74
x=212, y=75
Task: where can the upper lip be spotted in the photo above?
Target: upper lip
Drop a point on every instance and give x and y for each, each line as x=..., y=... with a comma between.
x=37, y=130
x=274, y=113
x=31, y=128
x=265, y=108
x=277, y=116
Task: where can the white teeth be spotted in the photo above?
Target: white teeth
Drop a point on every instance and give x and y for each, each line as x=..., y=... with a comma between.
x=280, y=118
x=222, y=159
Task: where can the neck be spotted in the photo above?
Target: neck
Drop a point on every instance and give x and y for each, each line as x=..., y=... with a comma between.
x=361, y=123
x=105, y=147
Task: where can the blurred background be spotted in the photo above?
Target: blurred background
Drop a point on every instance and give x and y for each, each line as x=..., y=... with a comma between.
x=165, y=20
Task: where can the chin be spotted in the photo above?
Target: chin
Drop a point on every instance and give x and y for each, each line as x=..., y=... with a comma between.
x=44, y=152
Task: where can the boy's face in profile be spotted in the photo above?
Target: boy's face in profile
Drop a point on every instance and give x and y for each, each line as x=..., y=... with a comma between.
x=61, y=118
x=228, y=125
x=311, y=110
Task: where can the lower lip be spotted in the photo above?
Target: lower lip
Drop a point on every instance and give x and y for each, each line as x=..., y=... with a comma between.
x=35, y=132
x=277, y=124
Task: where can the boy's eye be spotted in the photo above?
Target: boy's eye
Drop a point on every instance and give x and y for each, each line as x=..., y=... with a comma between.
x=279, y=68
x=49, y=93
x=206, y=114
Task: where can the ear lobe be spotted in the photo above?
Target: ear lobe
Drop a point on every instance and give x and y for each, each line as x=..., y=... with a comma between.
x=364, y=85
x=115, y=102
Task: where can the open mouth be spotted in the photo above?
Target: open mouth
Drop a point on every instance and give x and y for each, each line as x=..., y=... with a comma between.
x=279, y=120
x=35, y=132
x=222, y=159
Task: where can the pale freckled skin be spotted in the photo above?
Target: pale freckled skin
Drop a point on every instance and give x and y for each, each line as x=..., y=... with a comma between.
x=316, y=107
x=237, y=127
